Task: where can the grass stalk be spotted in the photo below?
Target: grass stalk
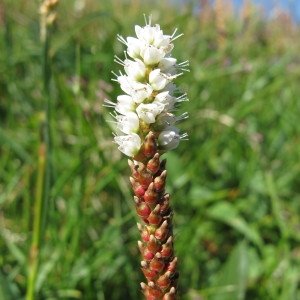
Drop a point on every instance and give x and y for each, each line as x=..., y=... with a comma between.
x=36, y=239
x=77, y=209
x=44, y=164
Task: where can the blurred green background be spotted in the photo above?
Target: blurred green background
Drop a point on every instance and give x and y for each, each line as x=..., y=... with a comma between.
x=235, y=184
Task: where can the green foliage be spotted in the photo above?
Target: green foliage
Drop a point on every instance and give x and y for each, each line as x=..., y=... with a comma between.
x=234, y=184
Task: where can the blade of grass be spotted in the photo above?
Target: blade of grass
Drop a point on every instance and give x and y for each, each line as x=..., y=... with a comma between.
x=36, y=240
x=44, y=164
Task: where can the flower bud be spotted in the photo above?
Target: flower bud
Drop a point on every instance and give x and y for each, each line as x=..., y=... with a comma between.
x=142, y=208
x=153, y=164
x=167, y=248
x=145, y=235
x=153, y=291
x=145, y=178
x=155, y=217
x=151, y=195
x=149, y=273
x=146, y=254
x=133, y=168
x=171, y=295
x=137, y=187
x=169, y=138
x=149, y=147
x=157, y=263
x=164, y=281
x=172, y=265
x=159, y=181
x=162, y=232
x=153, y=245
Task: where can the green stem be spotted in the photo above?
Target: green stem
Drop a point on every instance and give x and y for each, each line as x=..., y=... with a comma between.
x=77, y=209
x=36, y=239
x=46, y=132
x=44, y=171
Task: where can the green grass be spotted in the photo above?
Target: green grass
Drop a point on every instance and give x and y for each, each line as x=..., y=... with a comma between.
x=234, y=184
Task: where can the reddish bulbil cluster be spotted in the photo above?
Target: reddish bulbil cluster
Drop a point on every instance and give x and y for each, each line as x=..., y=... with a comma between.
x=152, y=205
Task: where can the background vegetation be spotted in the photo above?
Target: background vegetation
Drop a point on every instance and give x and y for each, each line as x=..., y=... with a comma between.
x=235, y=184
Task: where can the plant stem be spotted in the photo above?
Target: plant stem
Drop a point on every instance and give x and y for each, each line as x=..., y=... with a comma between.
x=36, y=240
x=44, y=164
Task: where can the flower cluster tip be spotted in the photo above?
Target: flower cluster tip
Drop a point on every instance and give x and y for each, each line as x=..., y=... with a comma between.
x=150, y=95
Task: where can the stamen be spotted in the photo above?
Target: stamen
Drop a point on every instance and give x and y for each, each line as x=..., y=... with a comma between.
x=109, y=103
x=182, y=117
x=182, y=98
x=119, y=61
x=182, y=65
x=122, y=40
x=150, y=20
x=183, y=137
x=176, y=37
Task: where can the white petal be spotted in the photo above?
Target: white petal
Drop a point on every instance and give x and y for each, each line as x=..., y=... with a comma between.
x=142, y=92
x=129, y=144
x=169, y=139
x=157, y=80
x=134, y=47
x=125, y=104
x=128, y=123
x=168, y=65
x=163, y=121
x=152, y=55
x=135, y=69
x=148, y=112
x=138, y=91
x=138, y=30
x=125, y=84
x=166, y=99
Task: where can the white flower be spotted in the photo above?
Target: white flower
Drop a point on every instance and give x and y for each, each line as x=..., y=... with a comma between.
x=153, y=35
x=168, y=65
x=136, y=70
x=149, y=100
x=127, y=84
x=128, y=123
x=158, y=80
x=125, y=104
x=163, y=121
x=166, y=99
x=152, y=55
x=138, y=91
x=169, y=139
x=148, y=112
x=129, y=144
x=142, y=92
x=134, y=47
x=148, y=34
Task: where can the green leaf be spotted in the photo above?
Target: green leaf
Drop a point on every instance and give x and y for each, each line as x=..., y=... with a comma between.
x=15, y=146
x=8, y=290
x=231, y=281
x=228, y=214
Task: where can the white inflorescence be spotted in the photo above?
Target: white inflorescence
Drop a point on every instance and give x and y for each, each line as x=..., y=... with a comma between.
x=151, y=96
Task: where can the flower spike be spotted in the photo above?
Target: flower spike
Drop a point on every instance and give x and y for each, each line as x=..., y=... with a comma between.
x=145, y=117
